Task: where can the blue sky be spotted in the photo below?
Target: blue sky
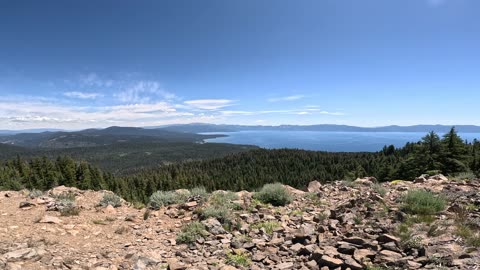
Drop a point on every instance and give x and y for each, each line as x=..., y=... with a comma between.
x=80, y=64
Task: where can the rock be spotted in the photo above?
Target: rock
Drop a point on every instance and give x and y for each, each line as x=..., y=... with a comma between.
x=228, y=267
x=110, y=210
x=50, y=219
x=23, y=254
x=312, y=264
x=285, y=265
x=330, y=262
x=357, y=241
x=314, y=186
x=26, y=205
x=413, y=265
x=174, y=264
x=420, y=180
x=367, y=181
x=388, y=256
x=189, y=205
x=439, y=177
x=214, y=226
x=296, y=248
x=144, y=262
x=363, y=255
x=385, y=238
x=352, y=264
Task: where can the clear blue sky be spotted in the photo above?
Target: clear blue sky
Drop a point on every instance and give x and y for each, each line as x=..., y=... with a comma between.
x=78, y=64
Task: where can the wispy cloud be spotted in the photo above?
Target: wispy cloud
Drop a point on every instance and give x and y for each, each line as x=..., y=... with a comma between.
x=82, y=95
x=92, y=79
x=286, y=98
x=209, y=104
x=144, y=91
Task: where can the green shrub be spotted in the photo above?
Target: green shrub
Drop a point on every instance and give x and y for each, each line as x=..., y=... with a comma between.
x=221, y=213
x=274, y=194
x=164, y=198
x=422, y=202
x=241, y=259
x=380, y=189
x=225, y=199
x=268, y=226
x=467, y=176
x=199, y=192
x=70, y=210
x=111, y=199
x=191, y=232
x=469, y=235
x=35, y=193
x=65, y=196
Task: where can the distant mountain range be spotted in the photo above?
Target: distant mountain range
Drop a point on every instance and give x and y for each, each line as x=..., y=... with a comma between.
x=183, y=133
x=99, y=137
x=200, y=128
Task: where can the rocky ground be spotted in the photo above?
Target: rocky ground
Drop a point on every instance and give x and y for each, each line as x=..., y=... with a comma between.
x=341, y=225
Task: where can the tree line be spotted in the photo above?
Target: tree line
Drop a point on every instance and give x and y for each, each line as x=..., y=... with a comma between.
x=252, y=169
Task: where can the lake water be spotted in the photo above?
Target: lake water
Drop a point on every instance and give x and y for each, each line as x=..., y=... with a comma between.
x=325, y=141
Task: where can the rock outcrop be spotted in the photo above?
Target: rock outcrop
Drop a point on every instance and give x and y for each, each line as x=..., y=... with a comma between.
x=337, y=225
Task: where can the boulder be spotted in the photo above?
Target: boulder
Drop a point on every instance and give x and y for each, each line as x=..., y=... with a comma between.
x=50, y=219
x=214, y=226
x=314, y=186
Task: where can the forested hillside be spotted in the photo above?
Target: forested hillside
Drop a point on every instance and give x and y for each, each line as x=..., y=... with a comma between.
x=249, y=170
x=128, y=158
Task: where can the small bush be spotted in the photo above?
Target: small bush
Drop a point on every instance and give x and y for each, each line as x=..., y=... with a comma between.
x=199, y=192
x=111, y=199
x=221, y=213
x=469, y=235
x=191, y=232
x=422, y=202
x=274, y=194
x=223, y=198
x=68, y=208
x=65, y=196
x=138, y=205
x=35, y=193
x=464, y=176
x=241, y=259
x=268, y=226
x=380, y=189
x=164, y=198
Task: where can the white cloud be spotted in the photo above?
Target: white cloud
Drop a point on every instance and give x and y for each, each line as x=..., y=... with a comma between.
x=332, y=113
x=144, y=91
x=82, y=95
x=287, y=98
x=92, y=79
x=209, y=104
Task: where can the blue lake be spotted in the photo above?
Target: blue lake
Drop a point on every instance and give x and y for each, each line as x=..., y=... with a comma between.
x=325, y=141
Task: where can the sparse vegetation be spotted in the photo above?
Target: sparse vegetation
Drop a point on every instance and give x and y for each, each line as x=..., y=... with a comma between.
x=69, y=209
x=221, y=213
x=222, y=198
x=35, y=193
x=274, y=194
x=422, y=202
x=268, y=226
x=464, y=176
x=111, y=199
x=190, y=233
x=199, y=193
x=469, y=235
x=382, y=191
x=239, y=259
x=165, y=198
